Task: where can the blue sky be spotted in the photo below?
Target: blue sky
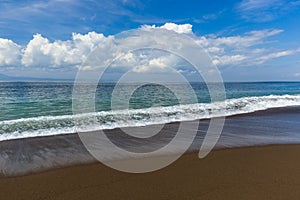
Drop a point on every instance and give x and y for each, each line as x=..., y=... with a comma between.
x=249, y=40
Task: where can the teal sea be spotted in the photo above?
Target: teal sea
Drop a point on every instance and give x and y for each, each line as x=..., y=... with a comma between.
x=30, y=109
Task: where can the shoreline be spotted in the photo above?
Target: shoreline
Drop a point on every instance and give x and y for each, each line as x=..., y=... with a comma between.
x=268, y=172
x=49, y=125
x=274, y=110
x=188, y=153
x=258, y=129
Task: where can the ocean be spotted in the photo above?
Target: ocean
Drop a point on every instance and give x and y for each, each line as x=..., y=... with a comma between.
x=37, y=122
x=31, y=109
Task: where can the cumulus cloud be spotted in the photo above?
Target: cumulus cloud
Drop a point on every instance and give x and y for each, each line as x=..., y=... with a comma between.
x=184, y=28
x=237, y=50
x=181, y=28
x=147, y=61
x=41, y=52
x=10, y=53
x=160, y=63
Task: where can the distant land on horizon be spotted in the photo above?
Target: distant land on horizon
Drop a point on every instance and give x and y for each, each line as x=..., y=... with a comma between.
x=4, y=78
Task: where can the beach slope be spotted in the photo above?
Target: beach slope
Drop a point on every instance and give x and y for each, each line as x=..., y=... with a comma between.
x=270, y=172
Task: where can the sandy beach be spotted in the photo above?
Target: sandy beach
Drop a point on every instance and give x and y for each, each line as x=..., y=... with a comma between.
x=271, y=172
x=149, y=100
x=256, y=158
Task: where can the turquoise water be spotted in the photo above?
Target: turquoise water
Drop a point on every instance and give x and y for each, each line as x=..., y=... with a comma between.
x=29, y=109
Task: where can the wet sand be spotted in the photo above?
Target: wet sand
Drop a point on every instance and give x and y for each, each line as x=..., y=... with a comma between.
x=273, y=126
x=271, y=172
x=63, y=169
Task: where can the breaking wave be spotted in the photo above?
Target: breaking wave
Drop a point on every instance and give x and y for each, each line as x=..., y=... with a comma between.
x=54, y=125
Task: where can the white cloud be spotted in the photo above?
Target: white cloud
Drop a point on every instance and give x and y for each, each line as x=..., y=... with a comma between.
x=265, y=10
x=215, y=49
x=41, y=52
x=239, y=50
x=181, y=28
x=161, y=63
x=9, y=53
x=229, y=60
x=297, y=74
x=246, y=5
x=278, y=54
x=243, y=50
x=249, y=39
x=142, y=61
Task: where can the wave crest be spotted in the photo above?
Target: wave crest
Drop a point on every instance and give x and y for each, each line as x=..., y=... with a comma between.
x=54, y=125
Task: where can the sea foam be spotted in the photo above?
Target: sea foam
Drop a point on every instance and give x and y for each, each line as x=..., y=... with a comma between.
x=55, y=125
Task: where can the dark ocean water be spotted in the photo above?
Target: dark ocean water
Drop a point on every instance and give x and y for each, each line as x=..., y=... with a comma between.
x=30, y=109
